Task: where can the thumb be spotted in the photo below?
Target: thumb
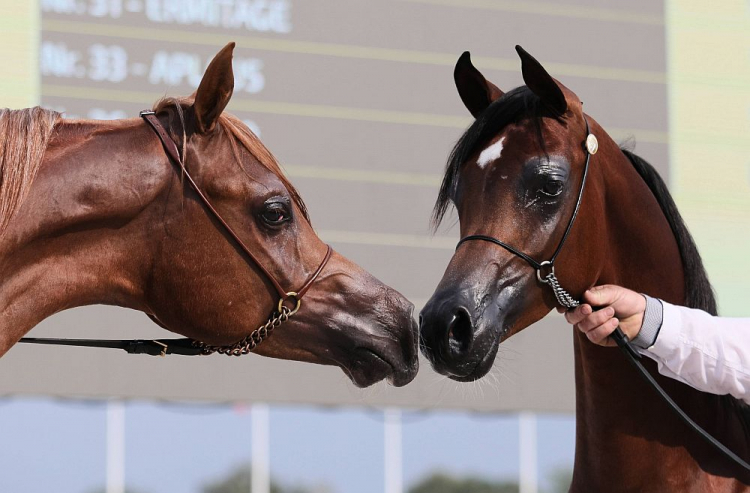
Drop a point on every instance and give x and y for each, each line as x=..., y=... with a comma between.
x=602, y=295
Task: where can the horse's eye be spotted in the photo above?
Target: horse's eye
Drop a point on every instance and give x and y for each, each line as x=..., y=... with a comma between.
x=275, y=214
x=553, y=188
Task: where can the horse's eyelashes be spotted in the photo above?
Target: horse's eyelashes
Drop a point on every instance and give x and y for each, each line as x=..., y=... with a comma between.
x=276, y=213
x=553, y=188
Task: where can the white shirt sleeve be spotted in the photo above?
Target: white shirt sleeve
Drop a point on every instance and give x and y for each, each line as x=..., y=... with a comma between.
x=708, y=353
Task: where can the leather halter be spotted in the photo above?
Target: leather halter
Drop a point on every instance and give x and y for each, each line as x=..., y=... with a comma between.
x=189, y=347
x=566, y=300
x=171, y=148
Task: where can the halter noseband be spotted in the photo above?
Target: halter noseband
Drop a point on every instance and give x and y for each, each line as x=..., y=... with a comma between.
x=590, y=145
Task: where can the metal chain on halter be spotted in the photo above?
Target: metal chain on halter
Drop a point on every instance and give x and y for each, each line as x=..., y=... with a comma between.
x=249, y=343
x=563, y=297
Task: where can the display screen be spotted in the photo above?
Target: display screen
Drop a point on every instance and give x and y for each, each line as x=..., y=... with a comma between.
x=357, y=101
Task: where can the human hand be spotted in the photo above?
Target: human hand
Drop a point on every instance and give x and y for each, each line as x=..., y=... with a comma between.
x=621, y=307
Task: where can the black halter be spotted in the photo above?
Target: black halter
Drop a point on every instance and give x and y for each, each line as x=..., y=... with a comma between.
x=590, y=145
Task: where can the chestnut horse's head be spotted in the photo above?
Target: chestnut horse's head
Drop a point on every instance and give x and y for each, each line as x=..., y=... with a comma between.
x=514, y=176
x=127, y=217
x=207, y=288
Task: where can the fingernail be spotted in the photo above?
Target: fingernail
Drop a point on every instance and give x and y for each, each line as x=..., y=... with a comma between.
x=586, y=310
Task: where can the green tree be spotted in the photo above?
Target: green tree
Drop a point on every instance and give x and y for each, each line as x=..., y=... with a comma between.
x=239, y=481
x=560, y=480
x=443, y=483
x=104, y=490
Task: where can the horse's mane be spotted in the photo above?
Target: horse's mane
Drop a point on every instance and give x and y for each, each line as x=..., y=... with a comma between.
x=24, y=135
x=698, y=291
x=239, y=133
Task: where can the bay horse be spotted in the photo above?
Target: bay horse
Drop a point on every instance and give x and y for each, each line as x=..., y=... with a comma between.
x=517, y=175
x=98, y=212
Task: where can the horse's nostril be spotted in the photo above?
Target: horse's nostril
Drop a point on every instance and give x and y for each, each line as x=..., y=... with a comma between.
x=460, y=332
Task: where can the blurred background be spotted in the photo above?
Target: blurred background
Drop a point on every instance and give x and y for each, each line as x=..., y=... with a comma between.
x=356, y=99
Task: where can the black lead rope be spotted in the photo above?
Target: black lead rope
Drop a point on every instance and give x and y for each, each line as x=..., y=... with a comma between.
x=634, y=356
x=155, y=347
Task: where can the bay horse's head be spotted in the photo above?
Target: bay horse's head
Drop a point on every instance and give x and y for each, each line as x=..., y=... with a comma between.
x=514, y=178
x=113, y=187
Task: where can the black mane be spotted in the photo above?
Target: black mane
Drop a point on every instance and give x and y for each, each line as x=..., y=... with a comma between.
x=514, y=106
x=698, y=291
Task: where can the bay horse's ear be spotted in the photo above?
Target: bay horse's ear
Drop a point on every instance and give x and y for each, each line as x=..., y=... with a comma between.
x=476, y=92
x=541, y=83
x=215, y=90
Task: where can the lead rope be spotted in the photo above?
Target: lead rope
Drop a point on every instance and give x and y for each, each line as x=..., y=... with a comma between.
x=249, y=343
x=632, y=355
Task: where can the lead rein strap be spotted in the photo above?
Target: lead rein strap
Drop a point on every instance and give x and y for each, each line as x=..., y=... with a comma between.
x=633, y=356
x=156, y=347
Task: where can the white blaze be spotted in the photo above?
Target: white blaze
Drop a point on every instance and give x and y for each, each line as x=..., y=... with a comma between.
x=490, y=154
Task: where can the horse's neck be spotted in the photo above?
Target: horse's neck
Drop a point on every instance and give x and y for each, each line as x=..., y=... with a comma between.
x=627, y=440
x=73, y=241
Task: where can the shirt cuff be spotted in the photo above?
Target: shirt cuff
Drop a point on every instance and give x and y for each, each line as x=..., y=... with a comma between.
x=652, y=321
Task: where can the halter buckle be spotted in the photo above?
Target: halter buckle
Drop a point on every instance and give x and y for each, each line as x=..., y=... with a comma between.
x=546, y=263
x=592, y=144
x=295, y=296
x=164, y=348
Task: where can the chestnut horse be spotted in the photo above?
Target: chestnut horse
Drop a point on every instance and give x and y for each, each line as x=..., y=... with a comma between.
x=96, y=212
x=515, y=175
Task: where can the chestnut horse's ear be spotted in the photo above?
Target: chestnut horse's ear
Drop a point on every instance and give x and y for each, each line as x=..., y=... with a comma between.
x=215, y=90
x=541, y=83
x=476, y=92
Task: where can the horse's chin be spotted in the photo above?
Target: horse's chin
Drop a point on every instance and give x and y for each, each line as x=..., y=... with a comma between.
x=476, y=364
x=481, y=363
x=370, y=366
x=372, y=354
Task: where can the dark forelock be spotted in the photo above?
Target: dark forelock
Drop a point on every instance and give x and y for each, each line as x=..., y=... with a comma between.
x=514, y=106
